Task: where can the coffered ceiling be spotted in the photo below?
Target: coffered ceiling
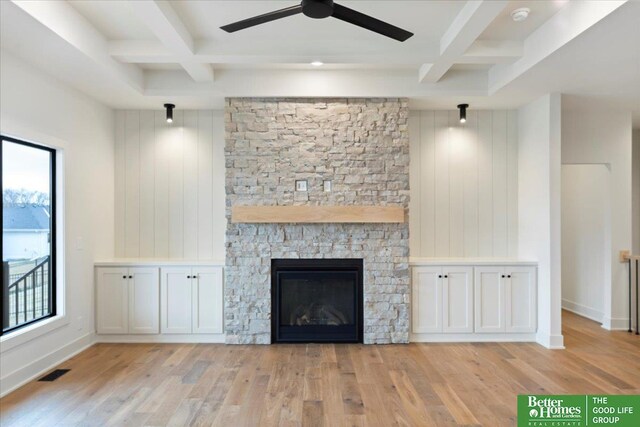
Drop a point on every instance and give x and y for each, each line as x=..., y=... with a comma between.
x=140, y=52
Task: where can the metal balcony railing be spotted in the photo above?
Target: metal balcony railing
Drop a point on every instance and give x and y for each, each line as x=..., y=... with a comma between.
x=28, y=296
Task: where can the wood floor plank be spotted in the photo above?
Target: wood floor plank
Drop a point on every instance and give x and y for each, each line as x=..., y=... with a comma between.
x=323, y=384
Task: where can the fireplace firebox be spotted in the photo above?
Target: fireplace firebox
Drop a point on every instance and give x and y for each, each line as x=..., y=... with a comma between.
x=316, y=300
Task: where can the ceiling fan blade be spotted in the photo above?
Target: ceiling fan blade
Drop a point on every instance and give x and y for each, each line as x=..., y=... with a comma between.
x=365, y=21
x=261, y=19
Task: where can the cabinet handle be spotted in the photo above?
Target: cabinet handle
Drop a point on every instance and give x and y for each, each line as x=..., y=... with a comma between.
x=188, y=277
x=124, y=277
x=503, y=276
x=509, y=276
x=130, y=277
x=446, y=277
x=439, y=276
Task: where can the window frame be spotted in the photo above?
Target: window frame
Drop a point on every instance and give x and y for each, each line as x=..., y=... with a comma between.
x=53, y=244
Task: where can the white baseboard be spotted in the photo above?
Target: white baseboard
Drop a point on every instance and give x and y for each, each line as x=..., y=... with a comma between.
x=616, y=324
x=552, y=342
x=471, y=337
x=582, y=310
x=163, y=338
x=33, y=370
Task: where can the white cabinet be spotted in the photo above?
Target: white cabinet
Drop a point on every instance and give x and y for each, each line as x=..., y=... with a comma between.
x=505, y=299
x=489, y=286
x=191, y=300
x=176, y=301
x=520, y=299
x=112, y=300
x=442, y=300
x=127, y=300
x=207, y=297
x=478, y=302
x=457, y=299
x=426, y=304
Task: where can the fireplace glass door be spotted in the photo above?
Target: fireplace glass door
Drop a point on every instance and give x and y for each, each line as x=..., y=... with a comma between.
x=317, y=301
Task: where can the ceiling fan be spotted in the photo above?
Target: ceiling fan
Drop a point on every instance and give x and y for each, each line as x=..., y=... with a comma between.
x=319, y=9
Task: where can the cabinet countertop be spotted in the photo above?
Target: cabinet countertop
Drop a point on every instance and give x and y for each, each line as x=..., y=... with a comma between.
x=415, y=262
x=151, y=262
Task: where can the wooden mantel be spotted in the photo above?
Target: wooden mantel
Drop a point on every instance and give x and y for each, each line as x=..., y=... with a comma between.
x=317, y=214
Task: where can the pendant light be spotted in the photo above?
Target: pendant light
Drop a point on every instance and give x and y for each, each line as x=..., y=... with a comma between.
x=169, y=108
x=463, y=112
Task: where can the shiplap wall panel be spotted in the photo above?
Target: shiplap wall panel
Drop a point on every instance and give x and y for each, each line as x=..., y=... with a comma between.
x=512, y=182
x=442, y=194
x=190, y=185
x=176, y=187
x=132, y=183
x=469, y=136
x=119, y=184
x=427, y=173
x=500, y=237
x=465, y=184
x=170, y=185
x=485, y=183
x=414, y=181
x=161, y=201
x=219, y=195
x=205, y=185
x=147, y=184
x=457, y=166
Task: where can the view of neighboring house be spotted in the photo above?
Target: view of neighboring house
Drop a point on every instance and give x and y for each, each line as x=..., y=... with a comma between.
x=26, y=232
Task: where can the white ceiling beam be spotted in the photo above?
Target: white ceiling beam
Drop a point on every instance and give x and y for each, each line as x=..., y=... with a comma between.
x=246, y=52
x=468, y=25
x=492, y=52
x=571, y=21
x=63, y=20
x=163, y=21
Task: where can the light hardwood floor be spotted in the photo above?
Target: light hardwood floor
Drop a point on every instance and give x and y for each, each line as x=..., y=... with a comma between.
x=332, y=385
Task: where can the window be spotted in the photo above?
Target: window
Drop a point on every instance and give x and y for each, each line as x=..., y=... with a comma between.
x=28, y=233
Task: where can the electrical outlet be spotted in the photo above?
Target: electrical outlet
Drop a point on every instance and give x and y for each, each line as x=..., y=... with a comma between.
x=624, y=255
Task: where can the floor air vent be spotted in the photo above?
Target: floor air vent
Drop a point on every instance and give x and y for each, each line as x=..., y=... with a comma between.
x=54, y=375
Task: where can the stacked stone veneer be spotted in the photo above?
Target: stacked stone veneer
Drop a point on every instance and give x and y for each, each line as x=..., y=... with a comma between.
x=362, y=146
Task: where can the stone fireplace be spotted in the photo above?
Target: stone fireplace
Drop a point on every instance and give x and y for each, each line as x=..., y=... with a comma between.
x=362, y=147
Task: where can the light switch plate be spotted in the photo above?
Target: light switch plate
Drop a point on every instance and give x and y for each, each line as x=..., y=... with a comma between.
x=301, y=185
x=326, y=185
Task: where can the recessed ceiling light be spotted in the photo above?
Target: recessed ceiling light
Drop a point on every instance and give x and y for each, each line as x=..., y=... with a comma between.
x=519, y=15
x=317, y=63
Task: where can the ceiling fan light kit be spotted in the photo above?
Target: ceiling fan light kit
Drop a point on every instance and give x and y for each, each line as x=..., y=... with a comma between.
x=320, y=9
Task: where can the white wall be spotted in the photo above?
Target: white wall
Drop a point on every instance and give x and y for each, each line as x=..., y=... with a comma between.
x=586, y=232
x=464, y=184
x=36, y=107
x=169, y=182
x=636, y=191
x=539, y=238
x=593, y=134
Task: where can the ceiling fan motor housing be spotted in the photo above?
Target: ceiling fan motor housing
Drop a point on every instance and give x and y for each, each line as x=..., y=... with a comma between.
x=317, y=9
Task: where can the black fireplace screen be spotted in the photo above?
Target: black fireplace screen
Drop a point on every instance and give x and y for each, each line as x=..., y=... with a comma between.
x=317, y=300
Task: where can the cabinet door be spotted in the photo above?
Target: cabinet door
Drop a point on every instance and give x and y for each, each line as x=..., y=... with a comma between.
x=175, y=300
x=489, y=295
x=457, y=300
x=520, y=299
x=207, y=300
x=426, y=300
x=112, y=302
x=144, y=301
